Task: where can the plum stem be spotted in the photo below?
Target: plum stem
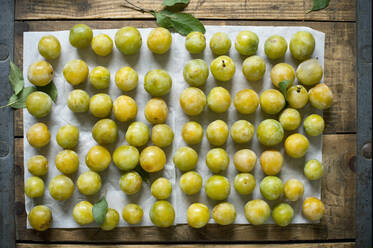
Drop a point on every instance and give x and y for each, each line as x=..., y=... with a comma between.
x=132, y=6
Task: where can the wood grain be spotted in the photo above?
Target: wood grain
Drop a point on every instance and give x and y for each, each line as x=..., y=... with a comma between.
x=338, y=194
x=340, y=72
x=322, y=245
x=341, y=10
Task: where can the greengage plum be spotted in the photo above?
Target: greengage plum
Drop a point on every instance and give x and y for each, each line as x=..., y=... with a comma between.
x=75, y=72
x=38, y=135
x=152, y=159
x=219, y=100
x=39, y=104
x=246, y=101
x=40, y=73
x=192, y=101
x=126, y=157
x=242, y=131
x=162, y=135
x=253, y=68
x=196, y=72
x=89, y=183
x=137, y=134
x=80, y=36
x=105, y=131
x=126, y=79
x=195, y=42
x=217, y=133
x=99, y=77
x=217, y=160
x=130, y=182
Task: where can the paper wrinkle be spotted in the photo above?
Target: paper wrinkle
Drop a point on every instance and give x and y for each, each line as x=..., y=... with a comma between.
x=173, y=62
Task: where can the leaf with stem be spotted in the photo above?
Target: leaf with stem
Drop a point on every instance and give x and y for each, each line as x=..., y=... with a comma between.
x=16, y=78
x=19, y=101
x=319, y=5
x=50, y=89
x=170, y=3
x=284, y=85
x=99, y=211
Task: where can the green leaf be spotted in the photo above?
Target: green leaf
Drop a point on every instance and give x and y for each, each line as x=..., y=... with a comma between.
x=144, y=175
x=16, y=78
x=50, y=89
x=99, y=211
x=162, y=20
x=170, y=3
x=319, y=5
x=182, y=23
x=283, y=85
x=19, y=101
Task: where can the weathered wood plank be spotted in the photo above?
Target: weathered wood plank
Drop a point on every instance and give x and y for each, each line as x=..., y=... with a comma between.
x=320, y=245
x=342, y=10
x=340, y=72
x=338, y=194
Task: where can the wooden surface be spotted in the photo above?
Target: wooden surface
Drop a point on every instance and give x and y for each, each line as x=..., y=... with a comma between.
x=339, y=10
x=339, y=151
x=324, y=245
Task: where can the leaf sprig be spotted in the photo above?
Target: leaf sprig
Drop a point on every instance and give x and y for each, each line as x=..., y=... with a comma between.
x=183, y=23
x=99, y=211
x=319, y=5
x=284, y=85
x=20, y=92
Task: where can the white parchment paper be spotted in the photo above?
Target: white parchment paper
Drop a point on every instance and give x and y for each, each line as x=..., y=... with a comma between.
x=173, y=62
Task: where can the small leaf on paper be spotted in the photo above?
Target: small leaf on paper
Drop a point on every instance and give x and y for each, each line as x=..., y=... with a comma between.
x=170, y=3
x=319, y=5
x=182, y=23
x=283, y=85
x=19, y=101
x=50, y=89
x=144, y=175
x=99, y=211
x=16, y=78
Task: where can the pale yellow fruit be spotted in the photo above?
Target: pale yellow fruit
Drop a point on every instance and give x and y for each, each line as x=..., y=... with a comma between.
x=271, y=162
x=40, y=217
x=38, y=135
x=132, y=213
x=219, y=100
x=192, y=101
x=244, y=160
x=246, y=101
x=162, y=135
x=293, y=189
x=102, y=44
x=313, y=209
x=152, y=159
x=320, y=96
x=137, y=134
x=217, y=160
x=34, y=187
x=217, y=132
x=224, y=213
x=75, y=72
x=290, y=119
x=272, y=101
x=82, y=213
x=192, y=133
x=40, y=73
x=126, y=78
x=159, y=40
x=130, y=182
x=242, y=131
x=61, y=188
x=38, y=165
x=281, y=72
x=257, y=212
x=296, y=145
x=198, y=215
x=89, y=183
x=67, y=161
x=125, y=108
x=156, y=111
x=190, y=183
x=111, y=220
x=161, y=188
x=98, y=158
